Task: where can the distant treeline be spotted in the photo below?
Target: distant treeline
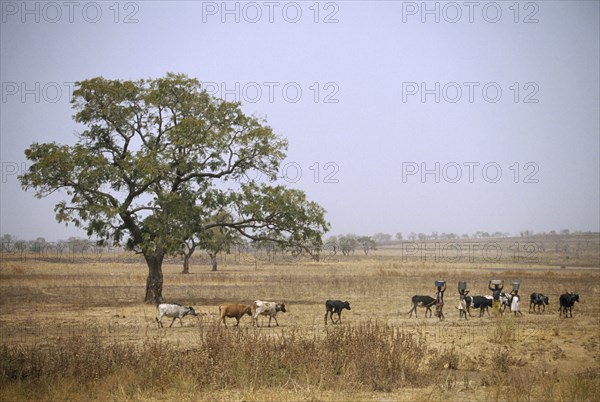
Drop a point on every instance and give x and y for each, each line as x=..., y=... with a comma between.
x=526, y=247
x=75, y=248
x=412, y=236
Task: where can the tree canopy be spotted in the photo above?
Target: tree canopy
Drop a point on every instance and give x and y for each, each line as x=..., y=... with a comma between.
x=150, y=166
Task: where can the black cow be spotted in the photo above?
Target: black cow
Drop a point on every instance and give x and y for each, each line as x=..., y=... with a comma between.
x=538, y=301
x=335, y=306
x=567, y=301
x=421, y=301
x=480, y=302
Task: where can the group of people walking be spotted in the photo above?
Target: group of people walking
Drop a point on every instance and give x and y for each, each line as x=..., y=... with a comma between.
x=495, y=286
x=515, y=306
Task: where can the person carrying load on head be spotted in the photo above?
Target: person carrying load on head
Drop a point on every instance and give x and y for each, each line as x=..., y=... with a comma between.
x=496, y=290
x=515, y=306
x=462, y=303
x=439, y=299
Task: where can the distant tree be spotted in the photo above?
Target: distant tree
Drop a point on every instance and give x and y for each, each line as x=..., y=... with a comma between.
x=412, y=236
x=422, y=236
x=78, y=245
x=565, y=231
x=399, y=236
x=366, y=243
x=20, y=246
x=434, y=235
x=61, y=246
x=331, y=245
x=381, y=237
x=7, y=242
x=465, y=236
x=98, y=249
x=188, y=247
x=347, y=244
x=149, y=161
x=215, y=240
x=447, y=236
x=38, y=245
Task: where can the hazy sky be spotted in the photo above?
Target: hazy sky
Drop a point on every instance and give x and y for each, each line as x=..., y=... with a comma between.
x=400, y=116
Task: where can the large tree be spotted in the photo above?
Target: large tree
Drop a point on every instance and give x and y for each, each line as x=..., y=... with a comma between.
x=152, y=165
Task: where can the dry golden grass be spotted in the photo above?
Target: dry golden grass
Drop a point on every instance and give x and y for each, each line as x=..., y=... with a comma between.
x=78, y=330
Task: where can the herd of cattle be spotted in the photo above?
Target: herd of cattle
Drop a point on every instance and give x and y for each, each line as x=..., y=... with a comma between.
x=254, y=310
x=537, y=304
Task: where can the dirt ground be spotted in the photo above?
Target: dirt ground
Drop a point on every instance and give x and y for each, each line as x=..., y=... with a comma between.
x=45, y=300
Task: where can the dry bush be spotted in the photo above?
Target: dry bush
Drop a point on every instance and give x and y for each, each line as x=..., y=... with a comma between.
x=505, y=330
x=446, y=358
x=523, y=384
x=502, y=360
x=367, y=357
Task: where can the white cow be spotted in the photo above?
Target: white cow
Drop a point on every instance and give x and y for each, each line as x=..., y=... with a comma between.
x=173, y=310
x=266, y=308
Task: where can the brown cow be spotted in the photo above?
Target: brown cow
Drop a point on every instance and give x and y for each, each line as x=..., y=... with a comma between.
x=236, y=311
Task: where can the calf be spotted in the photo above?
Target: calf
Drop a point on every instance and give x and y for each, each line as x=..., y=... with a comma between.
x=567, y=301
x=480, y=302
x=421, y=301
x=173, y=310
x=266, y=308
x=236, y=311
x=335, y=306
x=538, y=301
x=505, y=301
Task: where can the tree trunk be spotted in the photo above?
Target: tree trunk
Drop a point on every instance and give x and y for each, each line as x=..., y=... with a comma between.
x=213, y=261
x=187, y=257
x=154, y=283
x=186, y=264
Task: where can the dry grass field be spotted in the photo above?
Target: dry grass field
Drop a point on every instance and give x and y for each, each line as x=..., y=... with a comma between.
x=77, y=330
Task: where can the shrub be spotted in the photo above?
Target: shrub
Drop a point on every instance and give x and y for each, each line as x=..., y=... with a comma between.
x=370, y=357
